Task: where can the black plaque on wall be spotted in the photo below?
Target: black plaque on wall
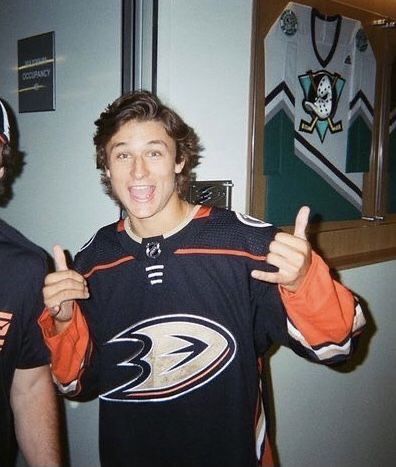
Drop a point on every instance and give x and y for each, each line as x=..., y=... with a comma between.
x=36, y=73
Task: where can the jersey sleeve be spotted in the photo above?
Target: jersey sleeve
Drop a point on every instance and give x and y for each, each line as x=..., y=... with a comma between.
x=361, y=103
x=72, y=355
x=323, y=316
x=320, y=321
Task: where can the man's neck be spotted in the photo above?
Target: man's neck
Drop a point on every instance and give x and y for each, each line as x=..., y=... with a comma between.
x=165, y=221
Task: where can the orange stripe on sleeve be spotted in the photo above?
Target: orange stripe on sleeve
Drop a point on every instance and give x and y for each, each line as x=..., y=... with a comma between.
x=321, y=309
x=69, y=347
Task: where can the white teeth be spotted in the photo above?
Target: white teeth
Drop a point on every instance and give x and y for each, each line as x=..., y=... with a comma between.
x=141, y=192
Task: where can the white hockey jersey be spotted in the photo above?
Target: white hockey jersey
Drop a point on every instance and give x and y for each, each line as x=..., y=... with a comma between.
x=321, y=72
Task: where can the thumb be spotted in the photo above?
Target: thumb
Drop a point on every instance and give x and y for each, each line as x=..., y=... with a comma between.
x=301, y=222
x=60, y=258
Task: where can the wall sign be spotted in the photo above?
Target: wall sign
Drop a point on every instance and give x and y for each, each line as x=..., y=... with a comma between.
x=36, y=73
x=212, y=193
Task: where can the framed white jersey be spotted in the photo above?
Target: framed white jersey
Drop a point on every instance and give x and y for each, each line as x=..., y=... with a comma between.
x=319, y=99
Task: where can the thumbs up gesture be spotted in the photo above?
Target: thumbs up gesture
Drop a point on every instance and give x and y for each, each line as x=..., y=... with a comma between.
x=291, y=254
x=62, y=287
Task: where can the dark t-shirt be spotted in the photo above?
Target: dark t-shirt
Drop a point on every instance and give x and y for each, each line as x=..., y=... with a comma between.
x=23, y=267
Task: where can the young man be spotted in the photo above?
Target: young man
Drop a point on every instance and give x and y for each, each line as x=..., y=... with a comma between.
x=27, y=397
x=168, y=311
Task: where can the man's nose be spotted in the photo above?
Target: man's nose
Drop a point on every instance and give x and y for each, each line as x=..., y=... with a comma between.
x=139, y=168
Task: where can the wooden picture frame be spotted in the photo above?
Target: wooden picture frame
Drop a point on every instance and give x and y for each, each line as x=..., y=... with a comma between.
x=347, y=243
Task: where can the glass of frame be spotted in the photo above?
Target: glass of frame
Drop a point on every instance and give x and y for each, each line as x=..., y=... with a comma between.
x=318, y=114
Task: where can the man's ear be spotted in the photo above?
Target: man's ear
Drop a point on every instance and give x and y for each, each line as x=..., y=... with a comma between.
x=179, y=166
x=1, y=172
x=107, y=171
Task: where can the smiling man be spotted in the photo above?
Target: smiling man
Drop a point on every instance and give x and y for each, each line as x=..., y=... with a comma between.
x=149, y=196
x=27, y=399
x=166, y=314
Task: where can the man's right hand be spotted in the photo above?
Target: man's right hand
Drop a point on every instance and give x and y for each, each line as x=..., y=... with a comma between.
x=62, y=287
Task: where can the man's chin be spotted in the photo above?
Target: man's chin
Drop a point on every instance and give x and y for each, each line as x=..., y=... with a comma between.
x=141, y=214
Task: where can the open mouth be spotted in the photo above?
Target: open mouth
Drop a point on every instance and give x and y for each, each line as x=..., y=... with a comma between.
x=141, y=193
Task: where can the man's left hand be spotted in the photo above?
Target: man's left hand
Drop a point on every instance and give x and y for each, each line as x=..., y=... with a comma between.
x=291, y=254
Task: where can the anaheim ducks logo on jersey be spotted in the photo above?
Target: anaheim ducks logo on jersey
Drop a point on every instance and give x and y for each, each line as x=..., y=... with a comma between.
x=322, y=91
x=176, y=354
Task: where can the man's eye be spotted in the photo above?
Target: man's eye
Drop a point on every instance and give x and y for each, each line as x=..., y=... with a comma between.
x=154, y=154
x=122, y=156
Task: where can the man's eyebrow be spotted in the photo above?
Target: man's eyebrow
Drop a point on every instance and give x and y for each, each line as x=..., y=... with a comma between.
x=125, y=143
x=117, y=145
x=158, y=141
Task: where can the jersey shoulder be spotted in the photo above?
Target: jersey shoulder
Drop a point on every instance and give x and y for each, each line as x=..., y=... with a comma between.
x=102, y=247
x=233, y=230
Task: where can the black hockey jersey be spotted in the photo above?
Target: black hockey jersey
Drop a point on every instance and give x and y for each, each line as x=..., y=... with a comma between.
x=177, y=326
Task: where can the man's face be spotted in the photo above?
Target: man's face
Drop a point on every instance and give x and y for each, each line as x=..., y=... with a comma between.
x=141, y=159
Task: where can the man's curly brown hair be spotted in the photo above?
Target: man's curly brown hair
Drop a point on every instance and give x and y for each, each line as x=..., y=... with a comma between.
x=144, y=106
